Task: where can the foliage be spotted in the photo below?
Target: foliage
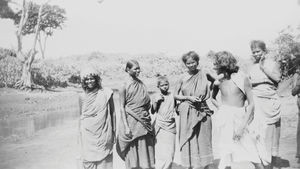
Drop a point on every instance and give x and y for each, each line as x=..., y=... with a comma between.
x=74, y=79
x=10, y=72
x=52, y=17
x=284, y=44
x=10, y=68
x=47, y=80
x=5, y=11
x=40, y=20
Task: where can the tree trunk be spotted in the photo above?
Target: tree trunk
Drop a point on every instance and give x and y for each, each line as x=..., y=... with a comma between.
x=26, y=79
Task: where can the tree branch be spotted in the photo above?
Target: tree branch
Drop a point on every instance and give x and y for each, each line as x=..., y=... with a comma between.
x=24, y=17
x=33, y=51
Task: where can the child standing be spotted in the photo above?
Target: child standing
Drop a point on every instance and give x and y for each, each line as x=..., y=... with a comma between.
x=135, y=140
x=233, y=118
x=96, y=124
x=165, y=128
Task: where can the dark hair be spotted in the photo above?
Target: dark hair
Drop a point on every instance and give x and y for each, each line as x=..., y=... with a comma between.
x=161, y=79
x=225, y=62
x=130, y=63
x=97, y=82
x=258, y=44
x=190, y=54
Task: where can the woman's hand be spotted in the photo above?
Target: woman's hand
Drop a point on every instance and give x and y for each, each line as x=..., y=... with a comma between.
x=159, y=98
x=194, y=99
x=237, y=135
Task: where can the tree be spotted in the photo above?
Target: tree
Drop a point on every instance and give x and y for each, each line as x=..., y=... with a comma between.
x=284, y=44
x=37, y=20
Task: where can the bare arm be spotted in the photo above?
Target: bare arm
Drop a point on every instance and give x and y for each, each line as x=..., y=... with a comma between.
x=250, y=108
x=156, y=103
x=272, y=69
x=249, y=111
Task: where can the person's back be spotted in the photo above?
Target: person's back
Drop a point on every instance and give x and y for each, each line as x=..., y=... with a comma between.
x=232, y=119
x=231, y=95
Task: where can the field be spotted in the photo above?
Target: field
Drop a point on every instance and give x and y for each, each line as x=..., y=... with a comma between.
x=39, y=130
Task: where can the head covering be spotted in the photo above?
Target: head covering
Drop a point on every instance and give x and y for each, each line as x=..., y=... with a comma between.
x=88, y=70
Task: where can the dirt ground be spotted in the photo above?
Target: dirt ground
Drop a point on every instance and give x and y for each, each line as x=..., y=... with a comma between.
x=54, y=145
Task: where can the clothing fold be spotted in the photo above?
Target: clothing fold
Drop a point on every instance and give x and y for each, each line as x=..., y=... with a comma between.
x=195, y=122
x=228, y=121
x=96, y=134
x=138, y=149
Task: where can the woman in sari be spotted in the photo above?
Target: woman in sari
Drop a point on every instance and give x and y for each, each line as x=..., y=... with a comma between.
x=135, y=140
x=265, y=75
x=296, y=90
x=195, y=127
x=96, y=122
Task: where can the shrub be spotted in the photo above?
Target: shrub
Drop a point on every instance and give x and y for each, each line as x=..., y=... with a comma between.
x=74, y=79
x=10, y=68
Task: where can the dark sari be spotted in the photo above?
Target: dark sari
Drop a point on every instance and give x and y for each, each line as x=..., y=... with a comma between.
x=138, y=150
x=195, y=130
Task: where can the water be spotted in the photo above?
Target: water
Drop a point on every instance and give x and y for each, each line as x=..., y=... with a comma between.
x=50, y=115
x=24, y=127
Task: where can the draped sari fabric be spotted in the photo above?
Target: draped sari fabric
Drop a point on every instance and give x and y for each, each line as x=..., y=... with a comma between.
x=165, y=133
x=228, y=120
x=195, y=130
x=165, y=117
x=96, y=133
x=296, y=92
x=266, y=123
x=138, y=150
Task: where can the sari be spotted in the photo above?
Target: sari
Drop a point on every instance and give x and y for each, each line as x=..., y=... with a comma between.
x=267, y=115
x=165, y=133
x=138, y=150
x=96, y=131
x=195, y=127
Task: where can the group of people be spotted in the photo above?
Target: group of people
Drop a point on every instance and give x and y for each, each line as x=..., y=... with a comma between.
x=247, y=118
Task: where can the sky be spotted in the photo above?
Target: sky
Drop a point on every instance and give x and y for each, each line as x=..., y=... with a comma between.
x=172, y=27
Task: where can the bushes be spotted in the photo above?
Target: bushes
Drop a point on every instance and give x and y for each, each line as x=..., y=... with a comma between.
x=61, y=72
x=46, y=81
x=74, y=79
x=42, y=74
x=10, y=68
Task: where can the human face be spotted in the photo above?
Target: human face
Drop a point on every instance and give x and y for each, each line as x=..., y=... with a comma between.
x=135, y=70
x=257, y=54
x=191, y=64
x=164, y=86
x=90, y=82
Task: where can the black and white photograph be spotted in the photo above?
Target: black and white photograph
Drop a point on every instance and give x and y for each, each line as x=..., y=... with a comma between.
x=149, y=84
